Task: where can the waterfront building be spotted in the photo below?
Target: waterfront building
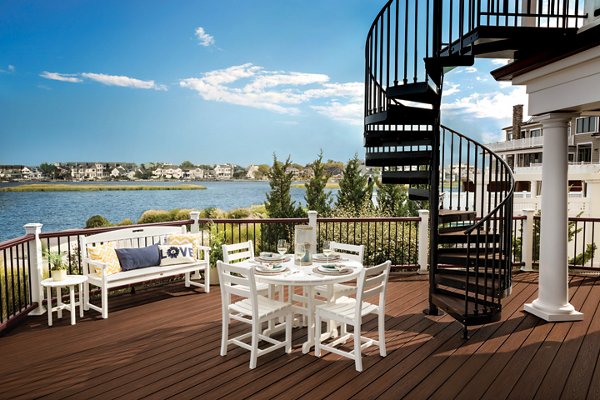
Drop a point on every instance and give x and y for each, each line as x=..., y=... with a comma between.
x=223, y=171
x=522, y=149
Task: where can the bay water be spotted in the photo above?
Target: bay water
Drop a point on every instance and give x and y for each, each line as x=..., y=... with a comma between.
x=69, y=210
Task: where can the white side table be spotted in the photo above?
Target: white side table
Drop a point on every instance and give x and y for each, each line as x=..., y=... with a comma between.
x=70, y=282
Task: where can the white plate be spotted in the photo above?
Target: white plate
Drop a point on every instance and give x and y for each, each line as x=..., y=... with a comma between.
x=322, y=257
x=272, y=257
x=275, y=269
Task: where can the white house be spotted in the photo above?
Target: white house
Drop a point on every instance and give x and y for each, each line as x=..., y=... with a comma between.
x=223, y=171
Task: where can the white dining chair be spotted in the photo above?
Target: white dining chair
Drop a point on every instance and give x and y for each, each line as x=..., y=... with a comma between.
x=350, y=311
x=352, y=252
x=238, y=252
x=252, y=309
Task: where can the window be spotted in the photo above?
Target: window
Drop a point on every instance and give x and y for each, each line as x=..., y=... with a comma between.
x=584, y=153
x=571, y=157
x=586, y=124
x=536, y=132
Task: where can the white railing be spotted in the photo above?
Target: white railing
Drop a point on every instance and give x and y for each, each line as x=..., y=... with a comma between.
x=524, y=143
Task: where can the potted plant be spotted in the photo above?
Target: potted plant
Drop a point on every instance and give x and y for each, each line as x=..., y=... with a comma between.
x=58, y=267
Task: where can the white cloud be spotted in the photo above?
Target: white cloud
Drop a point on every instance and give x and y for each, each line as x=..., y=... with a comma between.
x=55, y=76
x=451, y=88
x=204, y=38
x=499, y=61
x=496, y=105
x=470, y=70
x=282, y=92
x=123, y=81
x=11, y=68
x=492, y=137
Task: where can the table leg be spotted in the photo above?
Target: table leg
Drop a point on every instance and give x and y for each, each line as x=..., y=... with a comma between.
x=59, y=302
x=310, y=326
x=80, y=300
x=72, y=306
x=49, y=304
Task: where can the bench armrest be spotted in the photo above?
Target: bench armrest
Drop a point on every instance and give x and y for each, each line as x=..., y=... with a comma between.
x=95, y=264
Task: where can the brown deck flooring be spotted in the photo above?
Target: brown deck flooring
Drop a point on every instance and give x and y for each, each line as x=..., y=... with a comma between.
x=164, y=342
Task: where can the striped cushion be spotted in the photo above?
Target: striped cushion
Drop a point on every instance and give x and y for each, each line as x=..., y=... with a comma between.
x=105, y=253
x=195, y=239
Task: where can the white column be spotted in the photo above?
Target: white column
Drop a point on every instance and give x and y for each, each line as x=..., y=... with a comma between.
x=528, y=241
x=552, y=303
x=423, y=243
x=312, y=222
x=195, y=215
x=36, y=267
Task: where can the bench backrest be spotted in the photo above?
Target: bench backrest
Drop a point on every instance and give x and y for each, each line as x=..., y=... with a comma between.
x=131, y=237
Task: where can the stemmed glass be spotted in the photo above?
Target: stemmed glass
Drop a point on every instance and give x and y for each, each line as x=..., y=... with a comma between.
x=327, y=250
x=282, y=246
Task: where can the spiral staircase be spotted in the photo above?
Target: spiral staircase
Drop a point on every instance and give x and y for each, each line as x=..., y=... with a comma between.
x=410, y=46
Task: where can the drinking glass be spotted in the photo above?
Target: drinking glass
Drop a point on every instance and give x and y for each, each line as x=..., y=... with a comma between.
x=282, y=246
x=327, y=250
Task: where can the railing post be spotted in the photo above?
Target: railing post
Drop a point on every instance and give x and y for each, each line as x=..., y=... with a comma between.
x=423, y=243
x=527, y=244
x=312, y=222
x=36, y=267
x=195, y=215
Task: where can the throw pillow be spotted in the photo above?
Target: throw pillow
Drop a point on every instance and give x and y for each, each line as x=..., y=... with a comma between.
x=171, y=254
x=105, y=253
x=195, y=239
x=138, y=258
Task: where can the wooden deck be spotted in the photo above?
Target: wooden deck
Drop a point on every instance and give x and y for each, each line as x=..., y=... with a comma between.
x=164, y=342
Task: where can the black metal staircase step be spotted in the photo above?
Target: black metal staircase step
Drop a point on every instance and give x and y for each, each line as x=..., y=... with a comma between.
x=473, y=284
x=418, y=194
x=447, y=216
x=483, y=259
x=398, y=114
x=464, y=310
x=397, y=158
x=459, y=236
x=437, y=66
x=405, y=177
x=398, y=138
x=422, y=92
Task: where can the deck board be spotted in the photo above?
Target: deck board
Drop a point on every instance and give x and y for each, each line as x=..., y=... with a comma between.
x=164, y=342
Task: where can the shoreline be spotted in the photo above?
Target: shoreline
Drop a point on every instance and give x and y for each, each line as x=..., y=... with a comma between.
x=69, y=187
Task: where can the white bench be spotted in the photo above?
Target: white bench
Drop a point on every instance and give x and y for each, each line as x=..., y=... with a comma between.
x=135, y=238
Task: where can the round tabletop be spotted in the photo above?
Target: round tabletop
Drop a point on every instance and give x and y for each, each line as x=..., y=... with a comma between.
x=68, y=281
x=297, y=275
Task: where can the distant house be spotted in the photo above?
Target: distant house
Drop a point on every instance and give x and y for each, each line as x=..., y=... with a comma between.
x=118, y=172
x=251, y=172
x=223, y=171
x=197, y=173
x=294, y=171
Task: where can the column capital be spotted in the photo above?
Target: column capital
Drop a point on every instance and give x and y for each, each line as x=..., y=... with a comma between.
x=555, y=120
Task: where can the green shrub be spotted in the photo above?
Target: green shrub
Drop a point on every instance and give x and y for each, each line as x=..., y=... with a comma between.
x=96, y=221
x=153, y=216
x=124, y=222
x=239, y=213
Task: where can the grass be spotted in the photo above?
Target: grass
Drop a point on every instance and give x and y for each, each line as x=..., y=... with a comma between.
x=40, y=187
x=329, y=185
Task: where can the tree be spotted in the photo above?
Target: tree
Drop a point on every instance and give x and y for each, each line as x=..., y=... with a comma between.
x=49, y=170
x=96, y=221
x=334, y=167
x=187, y=165
x=279, y=204
x=355, y=189
x=316, y=197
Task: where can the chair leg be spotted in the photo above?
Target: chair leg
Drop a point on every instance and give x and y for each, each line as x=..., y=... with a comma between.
x=224, y=334
x=86, y=296
x=206, y=279
x=318, y=336
x=104, y=302
x=381, y=326
x=187, y=279
x=357, y=351
x=254, y=351
x=288, y=332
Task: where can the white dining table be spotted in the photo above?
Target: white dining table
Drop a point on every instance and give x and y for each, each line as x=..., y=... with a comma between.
x=308, y=278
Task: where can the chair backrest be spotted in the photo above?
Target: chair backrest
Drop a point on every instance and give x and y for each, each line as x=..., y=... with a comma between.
x=351, y=251
x=372, y=281
x=237, y=280
x=237, y=252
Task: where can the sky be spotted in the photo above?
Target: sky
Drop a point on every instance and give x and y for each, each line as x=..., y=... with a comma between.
x=205, y=81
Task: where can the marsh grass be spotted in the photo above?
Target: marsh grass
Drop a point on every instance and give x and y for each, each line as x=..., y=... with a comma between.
x=40, y=187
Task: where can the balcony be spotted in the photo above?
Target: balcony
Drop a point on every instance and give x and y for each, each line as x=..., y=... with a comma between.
x=575, y=168
x=522, y=144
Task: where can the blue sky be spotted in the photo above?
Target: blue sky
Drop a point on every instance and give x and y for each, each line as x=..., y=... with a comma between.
x=205, y=81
